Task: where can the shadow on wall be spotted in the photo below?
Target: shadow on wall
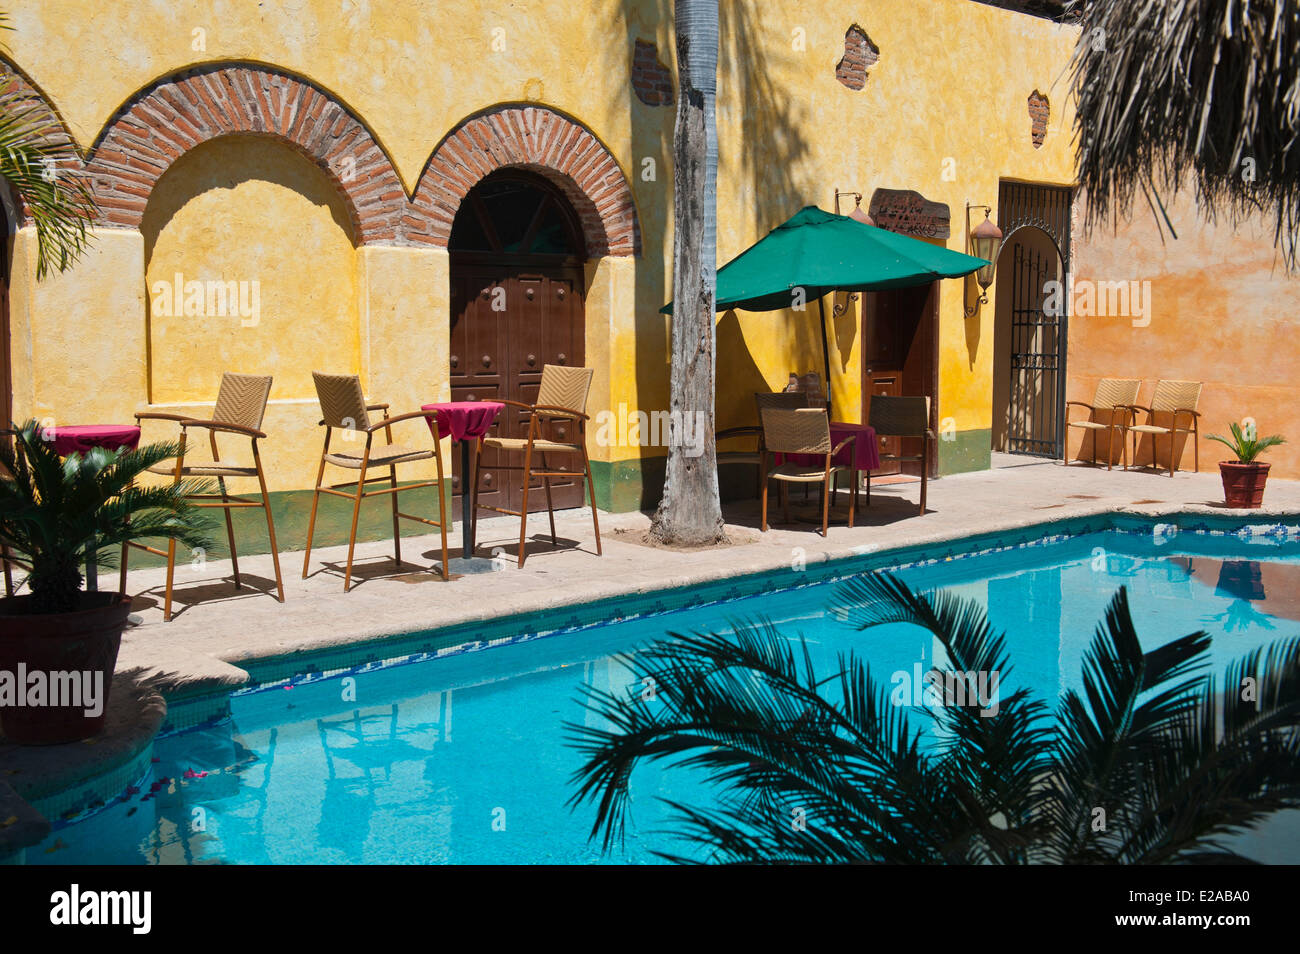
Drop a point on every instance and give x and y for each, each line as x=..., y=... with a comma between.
x=742, y=379
x=766, y=115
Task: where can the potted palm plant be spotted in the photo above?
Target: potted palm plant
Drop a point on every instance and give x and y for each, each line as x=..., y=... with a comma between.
x=1243, y=479
x=58, y=644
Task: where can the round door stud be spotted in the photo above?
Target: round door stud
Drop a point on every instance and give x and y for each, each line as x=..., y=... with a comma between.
x=530, y=294
x=532, y=360
x=487, y=361
x=561, y=357
x=455, y=361
x=559, y=293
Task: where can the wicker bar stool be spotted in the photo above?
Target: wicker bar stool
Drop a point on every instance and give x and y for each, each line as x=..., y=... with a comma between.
x=343, y=407
x=240, y=408
x=562, y=400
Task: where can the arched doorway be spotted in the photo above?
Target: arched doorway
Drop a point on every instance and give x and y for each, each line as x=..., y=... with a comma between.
x=1028, y=346
x=517, y=289
x=1031, y=324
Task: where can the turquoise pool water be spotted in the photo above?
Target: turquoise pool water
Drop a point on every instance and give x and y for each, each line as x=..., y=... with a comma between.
x=462, y=759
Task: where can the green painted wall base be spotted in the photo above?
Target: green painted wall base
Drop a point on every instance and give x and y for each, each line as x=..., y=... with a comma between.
x=625, y=485
x=628, y=485
x=291, y=510
x=621, y=486
x=967, y=451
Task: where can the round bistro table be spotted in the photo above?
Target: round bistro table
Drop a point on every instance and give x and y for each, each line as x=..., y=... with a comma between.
x=464, y=421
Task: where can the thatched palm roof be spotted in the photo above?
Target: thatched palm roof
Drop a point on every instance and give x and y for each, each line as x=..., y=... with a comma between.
x=1203, y=90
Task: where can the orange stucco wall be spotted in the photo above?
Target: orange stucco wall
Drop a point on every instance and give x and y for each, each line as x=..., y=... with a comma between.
x=1222, y=310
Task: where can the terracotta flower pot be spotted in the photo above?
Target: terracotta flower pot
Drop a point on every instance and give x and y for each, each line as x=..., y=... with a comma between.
x=83, y=642
x=1243, y=484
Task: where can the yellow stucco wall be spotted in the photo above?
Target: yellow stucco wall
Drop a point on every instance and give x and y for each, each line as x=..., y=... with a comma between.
x=1220, y=309
x=944, y=112
x=294, y=306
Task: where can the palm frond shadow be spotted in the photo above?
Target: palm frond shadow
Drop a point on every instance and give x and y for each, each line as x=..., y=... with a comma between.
x=1150, y=762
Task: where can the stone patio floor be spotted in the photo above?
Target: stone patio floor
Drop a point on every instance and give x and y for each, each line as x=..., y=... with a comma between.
x=215, y=627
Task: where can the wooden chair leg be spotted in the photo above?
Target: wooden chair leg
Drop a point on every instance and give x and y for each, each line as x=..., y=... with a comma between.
x=171, y=576
x=311, y=521
x=550, y=510
x=523, y=510
x=270, y=525
x=925, y=476
x=868, y=488
x=442, y=518
x=853, y=497
x=763, y=503
x=1171, y=453
x=591, y=492
x=230, y=529
x=352, y=535
x=826, y=502
x=397, y=528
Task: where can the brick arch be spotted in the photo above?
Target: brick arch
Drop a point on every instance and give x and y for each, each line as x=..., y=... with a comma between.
x=17, y=86
x=165, y=120
x=544, y=141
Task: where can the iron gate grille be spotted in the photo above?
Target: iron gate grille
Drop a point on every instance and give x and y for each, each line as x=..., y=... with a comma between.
x=1036, y=410
x=1036, y=338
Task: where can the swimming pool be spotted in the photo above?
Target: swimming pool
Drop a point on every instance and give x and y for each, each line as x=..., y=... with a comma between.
x=462, y=759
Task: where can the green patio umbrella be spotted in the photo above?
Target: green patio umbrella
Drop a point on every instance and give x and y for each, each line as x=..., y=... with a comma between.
x=820, y=253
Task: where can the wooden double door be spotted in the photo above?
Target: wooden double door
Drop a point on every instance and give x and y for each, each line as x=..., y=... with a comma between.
x=507, y=322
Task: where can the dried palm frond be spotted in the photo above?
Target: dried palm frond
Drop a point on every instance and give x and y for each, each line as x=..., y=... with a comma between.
x=1206, y=90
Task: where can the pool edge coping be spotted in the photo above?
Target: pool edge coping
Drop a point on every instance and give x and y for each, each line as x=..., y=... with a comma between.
x=365, y=649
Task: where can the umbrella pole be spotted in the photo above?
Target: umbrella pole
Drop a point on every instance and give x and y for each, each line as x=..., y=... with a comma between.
x=826, y=354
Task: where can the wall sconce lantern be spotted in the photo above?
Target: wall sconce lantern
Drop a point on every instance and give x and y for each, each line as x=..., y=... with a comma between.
x=984, y=241
x=857, y=214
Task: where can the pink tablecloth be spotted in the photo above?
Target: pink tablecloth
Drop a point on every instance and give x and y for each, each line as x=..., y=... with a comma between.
x=82, y=437
x=862, y=454
x=464, y=419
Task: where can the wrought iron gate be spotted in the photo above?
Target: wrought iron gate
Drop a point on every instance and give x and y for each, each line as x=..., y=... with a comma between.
x=1036, y=358
x=1038, y=342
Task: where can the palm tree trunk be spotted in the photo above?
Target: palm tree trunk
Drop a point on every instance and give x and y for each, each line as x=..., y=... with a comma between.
x=690, y=513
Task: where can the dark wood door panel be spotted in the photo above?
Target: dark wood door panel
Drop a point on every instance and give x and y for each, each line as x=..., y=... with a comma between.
x=507, y=324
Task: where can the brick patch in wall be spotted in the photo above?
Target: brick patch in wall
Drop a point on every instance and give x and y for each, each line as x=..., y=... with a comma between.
x=1039, y=112
x=859, y=55
x=651, y=81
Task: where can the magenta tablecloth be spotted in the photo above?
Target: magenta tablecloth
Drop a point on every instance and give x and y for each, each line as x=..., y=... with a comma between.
x=862, y=454
x=82, y=437
x=464, y=419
